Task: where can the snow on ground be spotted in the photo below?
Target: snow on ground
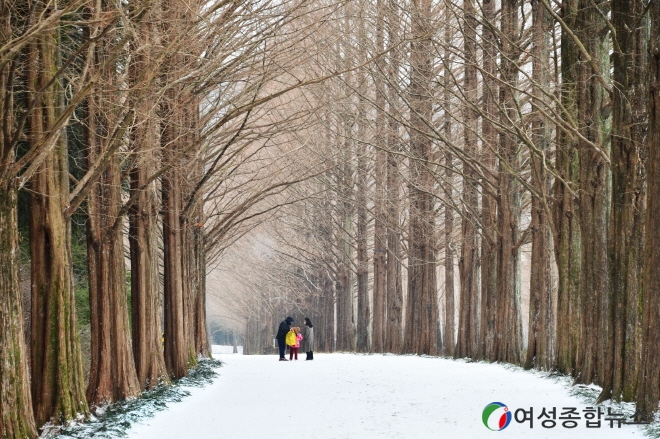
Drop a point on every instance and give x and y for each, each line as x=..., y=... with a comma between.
x=217, y=349
x=340, y=396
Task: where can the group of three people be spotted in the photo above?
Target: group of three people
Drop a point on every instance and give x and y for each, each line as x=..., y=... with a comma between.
x=307, y=337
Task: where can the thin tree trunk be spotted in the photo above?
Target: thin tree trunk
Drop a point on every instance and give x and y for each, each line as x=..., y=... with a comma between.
x=344, y=283
x=468, y=332
x=363, y=308
x=488, y=202
x=450, y=306
x=380, y=238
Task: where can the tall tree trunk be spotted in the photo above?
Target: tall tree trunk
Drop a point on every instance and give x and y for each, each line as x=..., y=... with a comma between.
x=468, y=332
x=394, y=282
x=58, y=389
x=488, y=202
x=648, y=386
x=344, y=283
x=202, y=346
x=179, y=355
x=143, y=241
x=594, y=194
x=566, y=209
x=112, y=372
x=363, y=309
x=541, y=332
x=629, y=125
x=380, y=238
x=16, y=416
x=422, y=304
x=147, y=331
x=508, y=344
x=450, y=306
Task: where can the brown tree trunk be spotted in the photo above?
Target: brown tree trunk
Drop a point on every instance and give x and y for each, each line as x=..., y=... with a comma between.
x=629, y=125
x=486, y=349
x=380, y=238
x=16, y=416
x=344, y=283
x=202, y=347
x=422, y=303
x=112, y=371
x=468, y=325
x=363, y=308
x=450, y=306
x=58, y=389
x=648, y=386
x=143, y=240
x=566, y=209
x=594, y=195
x=508, y=344
x=147, y=331
x=179, y=355
x=394, y=282
x=541, y=332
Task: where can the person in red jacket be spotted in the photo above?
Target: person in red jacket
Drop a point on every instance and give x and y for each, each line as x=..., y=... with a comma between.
x=293, y=350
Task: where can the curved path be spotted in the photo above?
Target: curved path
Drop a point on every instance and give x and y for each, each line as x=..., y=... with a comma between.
x=339, y=396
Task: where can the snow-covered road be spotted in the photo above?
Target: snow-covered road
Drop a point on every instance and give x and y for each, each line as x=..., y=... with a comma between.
x=340, y=396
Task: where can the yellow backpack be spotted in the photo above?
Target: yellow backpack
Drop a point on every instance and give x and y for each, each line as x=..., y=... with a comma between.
x=290, y=338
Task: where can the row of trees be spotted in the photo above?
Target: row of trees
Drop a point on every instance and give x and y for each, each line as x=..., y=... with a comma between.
x=484, y=128
x=147, y=122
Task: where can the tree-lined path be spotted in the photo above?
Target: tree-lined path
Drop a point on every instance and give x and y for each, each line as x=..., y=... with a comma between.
x=343, y=396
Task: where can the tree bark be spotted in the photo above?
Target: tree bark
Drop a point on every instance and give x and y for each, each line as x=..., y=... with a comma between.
x=16, y=415
x=380, y=238
x=146, y=320
x=566, y=212
x=595, y=194
x=648, y=386
x=58, y=389
x=508, y=344
x=629, y=125
x=112, y=371
x=468, y=324
x=422, y=304
x=488, y=202
x=394, y=282
x=541, y=332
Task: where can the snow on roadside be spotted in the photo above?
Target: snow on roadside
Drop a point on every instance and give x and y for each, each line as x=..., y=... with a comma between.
x=340, y=396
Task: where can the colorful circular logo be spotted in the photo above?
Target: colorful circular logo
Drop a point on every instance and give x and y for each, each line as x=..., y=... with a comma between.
x=496, y=416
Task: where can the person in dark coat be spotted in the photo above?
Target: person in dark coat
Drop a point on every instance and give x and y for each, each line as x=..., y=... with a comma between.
x=284, y=328
x=308, y=339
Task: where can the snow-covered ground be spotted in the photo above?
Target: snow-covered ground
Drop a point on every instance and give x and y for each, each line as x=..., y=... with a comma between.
x=217, y=349
x=339, y=396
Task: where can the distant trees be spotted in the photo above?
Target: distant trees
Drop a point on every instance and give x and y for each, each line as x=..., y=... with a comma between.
x=530, y=125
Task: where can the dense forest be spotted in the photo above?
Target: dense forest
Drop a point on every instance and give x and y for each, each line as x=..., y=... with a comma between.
x=468, y=178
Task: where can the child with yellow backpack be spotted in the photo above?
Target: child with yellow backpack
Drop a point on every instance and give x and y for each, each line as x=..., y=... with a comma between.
x=292, y=339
